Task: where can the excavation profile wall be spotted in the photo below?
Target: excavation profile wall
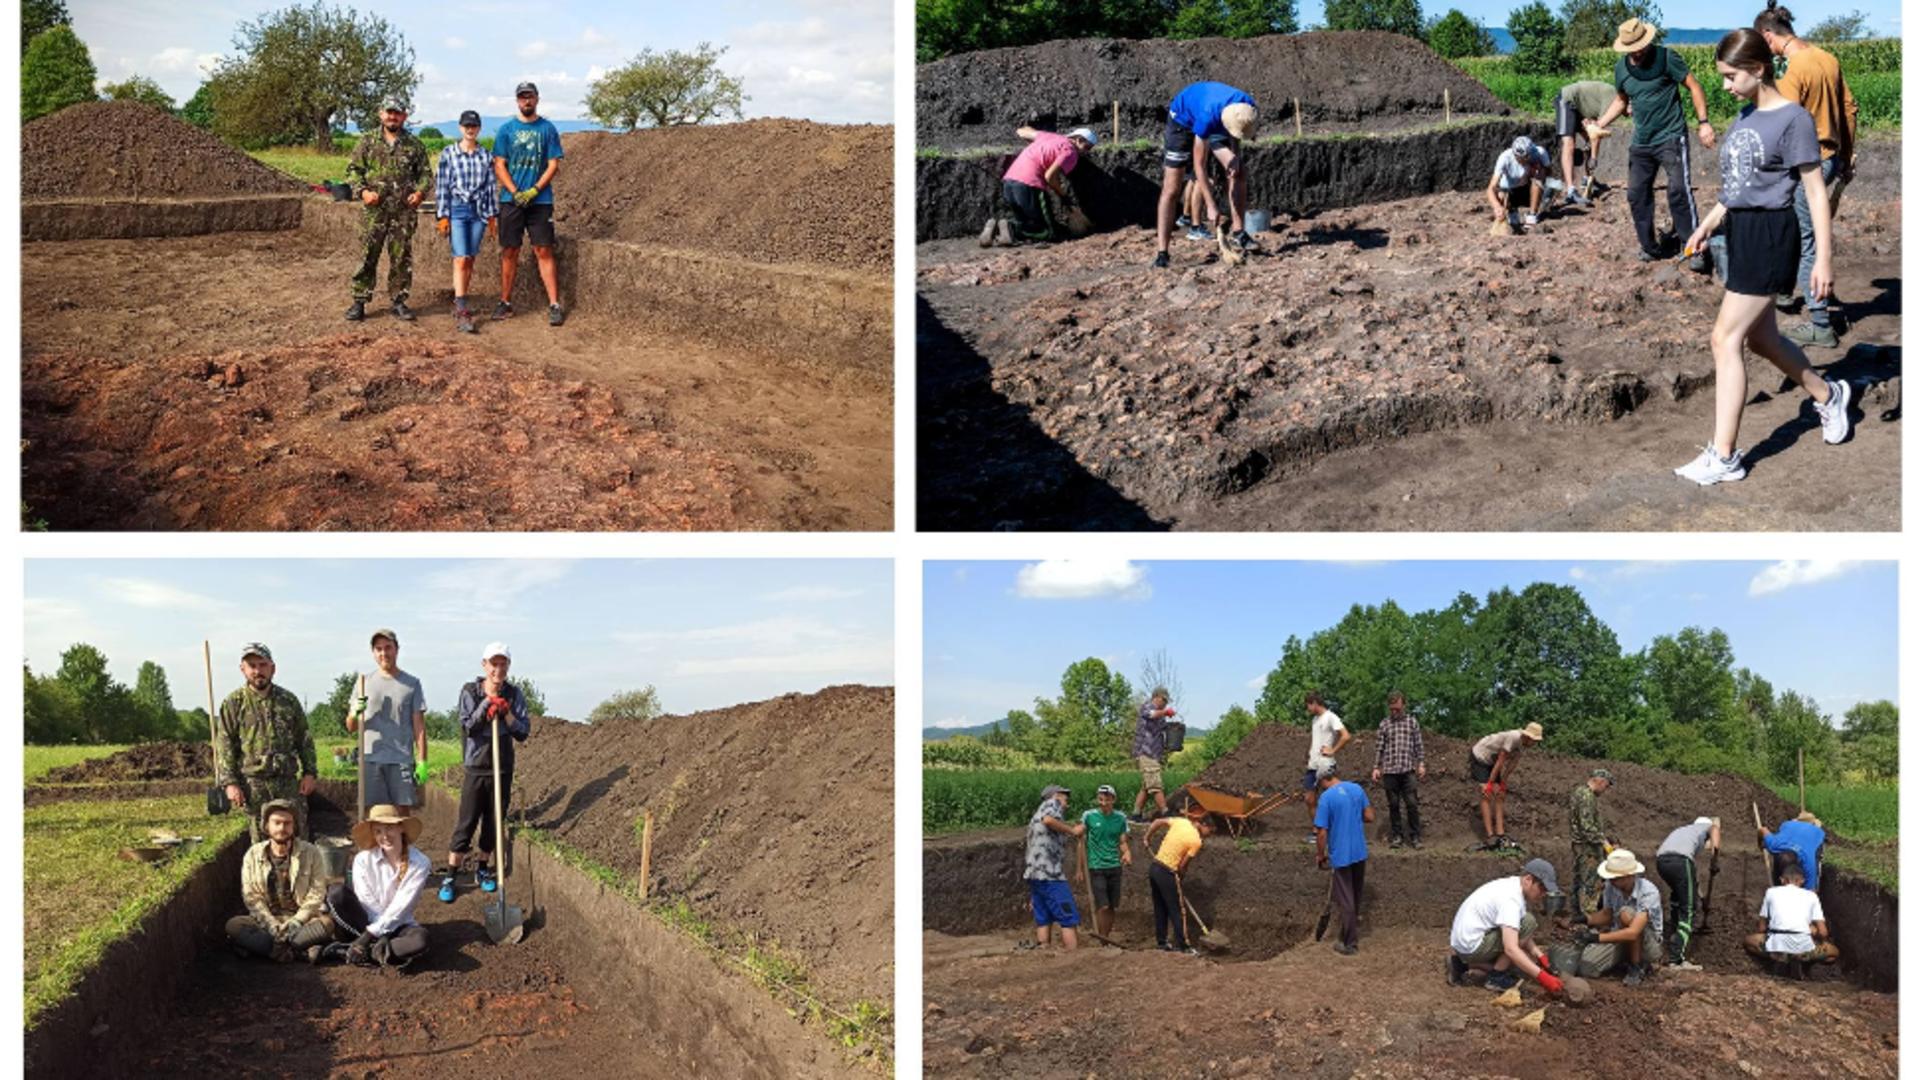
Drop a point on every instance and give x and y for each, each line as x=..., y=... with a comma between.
x=1117, y=188
x=125, y=219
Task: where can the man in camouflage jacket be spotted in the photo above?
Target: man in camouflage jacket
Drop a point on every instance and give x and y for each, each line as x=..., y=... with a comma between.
x=1589, y=832
x=391, y=174
x=264, y=751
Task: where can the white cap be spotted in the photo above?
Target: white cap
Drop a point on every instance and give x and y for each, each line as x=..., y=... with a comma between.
x=1084, y=133
x=1703, y=821
x=498, y=648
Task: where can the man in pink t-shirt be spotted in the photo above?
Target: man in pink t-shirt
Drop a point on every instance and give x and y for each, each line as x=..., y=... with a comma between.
x=1043, y=166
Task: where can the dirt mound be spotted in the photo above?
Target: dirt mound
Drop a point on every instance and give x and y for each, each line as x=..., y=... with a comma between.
x=147, y=761
x=778, y=191
x=123, y=148
x=1382, y=79
x=361, y=431
x=769, y=817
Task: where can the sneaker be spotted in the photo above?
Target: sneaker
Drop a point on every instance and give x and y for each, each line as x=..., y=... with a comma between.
x=986, y=234
x=1783, y=301
x=1003, y=232
x=1530, y=220
x=1456, y=970
x=1685, y=965
x=1199, y=234
x=1345, y=949
x=1698, y=263
x=1636, y=974
x=1245, y=240
x=1574, y=198
x=1188, y=951
x=357, y=312
x=463, y=321
x=1395, y=842
x=401, y=311
x=1710, y=468
x=1416, y=843
x=502, y=310
x=1160, y=261
x=556, y=314
x=1648, y=256
x=1183, y=222
x=1835, y=422
x=446, y=888
x=484, y=876
x=1502, y=980
x=1807, y=333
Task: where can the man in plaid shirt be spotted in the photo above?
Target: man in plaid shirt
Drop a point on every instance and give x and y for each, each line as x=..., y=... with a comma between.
x=465, y=202
x=1399, y=766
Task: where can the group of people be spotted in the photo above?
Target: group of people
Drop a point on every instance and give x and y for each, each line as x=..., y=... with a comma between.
x=264, y=758
x=506, y=193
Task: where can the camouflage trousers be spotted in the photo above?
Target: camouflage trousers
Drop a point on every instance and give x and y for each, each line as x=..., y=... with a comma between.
x=1586, y=886
x=262, y=790
x=392, y=232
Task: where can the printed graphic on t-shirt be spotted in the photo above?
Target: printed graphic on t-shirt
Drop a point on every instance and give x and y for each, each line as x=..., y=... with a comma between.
x=1745, y=153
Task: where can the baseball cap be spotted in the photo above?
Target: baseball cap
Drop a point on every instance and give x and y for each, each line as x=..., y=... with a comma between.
x=1084, y=133
x=525, y=88
x=498, y=648
x=469, y=119
x=383, y=632
x=1542, y=871
x=1703, y=821
x=1106, y=789
x=393, y=103
x=254, y=648
x=1522, y=145
x=1054, y=789
x=1603, y=774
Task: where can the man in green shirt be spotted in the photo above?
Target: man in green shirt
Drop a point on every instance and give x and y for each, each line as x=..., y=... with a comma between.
x=1649, y=77
x=391, y=173
x=263, y=750
x=1575, y=109
x=1107, y=854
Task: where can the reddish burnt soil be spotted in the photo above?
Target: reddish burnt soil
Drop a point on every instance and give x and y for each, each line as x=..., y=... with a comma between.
x=147, y=761
x=763, y=816
x=1387, y=367
x=353, y=431
x=123, y=148
x=1385, y=80
x=780, y=191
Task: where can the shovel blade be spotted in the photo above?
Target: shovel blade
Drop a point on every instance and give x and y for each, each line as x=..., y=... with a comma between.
x=506, y=924
x=1215, y=941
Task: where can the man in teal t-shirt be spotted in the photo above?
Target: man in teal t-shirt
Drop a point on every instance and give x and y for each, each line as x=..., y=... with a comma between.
x=526, y=155
x=1649, y=77
x=1107, y=853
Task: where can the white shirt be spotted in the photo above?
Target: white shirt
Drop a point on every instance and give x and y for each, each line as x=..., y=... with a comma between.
x=1513, y=170
x=1325, y=727
x=1497, y=903
x=1792, y=909
x=387, y=894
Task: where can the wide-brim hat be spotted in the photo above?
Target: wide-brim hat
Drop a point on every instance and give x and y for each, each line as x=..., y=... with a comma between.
x=386, y=814
x=1239, y=119
x=1808, y=818
x=1635, y=34
x=1534, y=732
x=1619, y=863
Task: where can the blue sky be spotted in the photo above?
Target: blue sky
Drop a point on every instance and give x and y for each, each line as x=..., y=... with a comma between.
x=1000, y=633
x=1883, y=19
x=705, y=633
x=826, y=60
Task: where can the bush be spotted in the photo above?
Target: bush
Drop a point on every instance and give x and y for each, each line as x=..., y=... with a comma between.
x=967, y=752
x=1454, y=35
x=1836, y=28
x=953, y=800
x=1539, y=41
x=1593, y=24
x=1393, y=16
x=1233, y=18
x=138, y=88
x=57, y=71
x=639, y=705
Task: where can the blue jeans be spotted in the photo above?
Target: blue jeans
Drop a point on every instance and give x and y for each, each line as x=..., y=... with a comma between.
x=468, y=228
x=1816, y=309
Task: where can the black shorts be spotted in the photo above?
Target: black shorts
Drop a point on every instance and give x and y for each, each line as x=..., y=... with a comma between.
x=1106, y=888
x=1481, y=771
x=1516, y=198
x=1763, y=251
x=536, y=221
x=1176, y=145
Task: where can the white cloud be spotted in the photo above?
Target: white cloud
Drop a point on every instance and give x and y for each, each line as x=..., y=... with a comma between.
x=812, y=594
x=1258, y=682
x=491, y=588
x=791, y=645
x=533, y=50
x=1578, y=573
x=1082, y=579
x=154, y=594
x=834, y=67
x=591, y=37
x=1794, y=572
x=947, y=722
x=455, y=43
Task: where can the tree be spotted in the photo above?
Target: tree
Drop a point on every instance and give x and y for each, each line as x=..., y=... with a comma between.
x=1797, y=726
x=1694, y=714
x=1454, y=35
x=1394, y=16
x=39, y=16
x=1233, y=18
x=665, y=89
x=198, y=110
x=106, y=710
x=300, y=69
x=1593, y=24
x=191, y=725
x=536, y=701
x=1849, y=27
x=1157, y=672
x=154, y=700
x=640, y=705
x=431, y=132
x=51, y=713
x=141, y=89
x=1539, y=41
x=442, y=726
x=57, y=71
x=1870, y=741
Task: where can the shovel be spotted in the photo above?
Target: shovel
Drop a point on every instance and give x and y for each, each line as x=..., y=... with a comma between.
x=1229, y=250
x=506, y=924
x=1706, y=897
x=1211, y=940
x=1326, y=913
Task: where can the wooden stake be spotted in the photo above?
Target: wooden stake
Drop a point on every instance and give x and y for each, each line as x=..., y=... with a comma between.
x=646, y=853
x=1446, y=102
x=1296, y=118
x=1803, y=779
x=1116, y=123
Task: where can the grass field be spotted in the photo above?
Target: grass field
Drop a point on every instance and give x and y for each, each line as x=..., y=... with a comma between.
x=38, y=760
x=81, y=896
x=440, y=755
x=304, y=163
x=956, y=800
x=1868, y=817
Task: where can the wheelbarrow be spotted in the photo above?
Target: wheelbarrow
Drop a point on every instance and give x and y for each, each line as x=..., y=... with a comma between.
x=1237, y=810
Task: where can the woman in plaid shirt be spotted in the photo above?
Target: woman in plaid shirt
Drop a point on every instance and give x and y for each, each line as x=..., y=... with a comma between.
x=1398, y=766
x=466, y=202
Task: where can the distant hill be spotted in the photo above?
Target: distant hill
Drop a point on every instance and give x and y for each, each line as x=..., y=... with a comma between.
x=1503, y=41
x=934, y=734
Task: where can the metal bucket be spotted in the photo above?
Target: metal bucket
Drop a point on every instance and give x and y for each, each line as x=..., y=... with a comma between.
x=337, y=853
x=1259, y=221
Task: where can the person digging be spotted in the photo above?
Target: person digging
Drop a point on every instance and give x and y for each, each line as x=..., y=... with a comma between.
x=484, y=702
x=1801, y=840
x=1494, y=928
x=1206, y=119
x=283, y=883
x=390, y=173
x=1046, y=875
x=1491, y=763
x=1340, y=832
x=1575, y=108
x=373, y=909
x=1792, y=927
x=1589, y=831
x=1149, y=746
x=1678, y=860
x=1518, y=182
x=1108, y=854
x=1040, y=168
x=1186, y=836
x=1625, y=933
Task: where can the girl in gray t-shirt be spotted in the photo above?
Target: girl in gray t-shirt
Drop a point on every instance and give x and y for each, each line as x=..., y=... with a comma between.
x=1770, y=148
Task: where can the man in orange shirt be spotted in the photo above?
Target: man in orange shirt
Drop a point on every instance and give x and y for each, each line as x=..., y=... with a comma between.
x=1813, y=80
x=1185, y=836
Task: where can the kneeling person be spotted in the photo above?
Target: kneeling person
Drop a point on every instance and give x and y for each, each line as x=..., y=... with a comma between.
x=283, y=882
x=1517, y=183
x=1042, y=167
x=1793, y=926
x=1494, y=931
x=373, y=909
x=1627, y=928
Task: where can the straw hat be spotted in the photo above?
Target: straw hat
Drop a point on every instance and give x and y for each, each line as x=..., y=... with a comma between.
x=1620, y=862
x=1634, y=36
x=386, y=814
x=1808, y=818
x=1239, y=119
x=1534, y=732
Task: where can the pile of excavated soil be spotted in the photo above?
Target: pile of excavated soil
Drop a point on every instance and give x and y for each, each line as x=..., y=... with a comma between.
x=1370, y=77
x=770, y=817
x=775, y=191
x=355, y=431
x=147, y=761
x=123, y=148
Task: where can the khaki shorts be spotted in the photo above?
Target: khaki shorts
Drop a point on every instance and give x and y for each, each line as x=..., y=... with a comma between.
x=1149, y=772
x=1490, y=947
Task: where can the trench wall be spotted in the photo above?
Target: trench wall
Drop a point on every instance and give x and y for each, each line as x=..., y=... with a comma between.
x=123, y=219
x=1118, y=188
x=1865, y=922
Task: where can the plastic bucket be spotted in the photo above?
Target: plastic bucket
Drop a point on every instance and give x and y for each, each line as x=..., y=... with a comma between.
x=337, y=852
x=1176, y=738
x=1259, y=221
x=341, y=192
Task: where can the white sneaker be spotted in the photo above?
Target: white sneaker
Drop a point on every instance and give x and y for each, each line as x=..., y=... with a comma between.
x=1835, y=424
x=1531, y=220
x=1710, y=468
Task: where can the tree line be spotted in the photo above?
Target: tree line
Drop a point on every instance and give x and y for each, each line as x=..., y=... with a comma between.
x=1483, y=665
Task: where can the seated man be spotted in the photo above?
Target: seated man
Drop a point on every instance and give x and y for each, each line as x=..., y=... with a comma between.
x=283, y=882
x=1793, y=928
x=1493, y=931
x=1627, y=930
x=373, y=908
x=1518, y=180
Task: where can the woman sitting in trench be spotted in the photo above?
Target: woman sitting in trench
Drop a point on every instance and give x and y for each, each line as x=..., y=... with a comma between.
x=373, y=909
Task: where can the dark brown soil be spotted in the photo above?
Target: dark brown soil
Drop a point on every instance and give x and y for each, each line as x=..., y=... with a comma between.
x=122, y=148
x=979, y=98
x=770, y=818
x=40, y=794
x=780, y=191
x=147, y=761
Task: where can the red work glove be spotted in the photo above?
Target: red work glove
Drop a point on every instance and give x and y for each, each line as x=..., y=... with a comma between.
x=1169, y=712
x=1488, y=789
x=496, y=706
x=1550, y=982
x=1503, y=787
x=1546, y=962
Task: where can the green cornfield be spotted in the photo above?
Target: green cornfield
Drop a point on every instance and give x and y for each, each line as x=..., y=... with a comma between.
x=1854, y=811
x=956, y=800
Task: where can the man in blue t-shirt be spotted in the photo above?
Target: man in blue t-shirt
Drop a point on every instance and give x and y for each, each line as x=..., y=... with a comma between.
x=526, y=154
x=1207, y=118
x=1801, y=838
x=1340, y=834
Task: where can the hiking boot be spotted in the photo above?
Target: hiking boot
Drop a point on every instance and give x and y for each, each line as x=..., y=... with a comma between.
x=986, y=234
x=1003, y=232
x=463, y=321
x=1636, y=974
x=401, y=311
x=1835, y=422
x=1160, y=261
x=446, y=887
x=556, y=314
x=1502, y=980
x=1199, y=234
x=357, y=312
x=502, y=310
x=1710, y=468
x=1808, y=333
x=1456, y=970
x=1345, y=949
x=484, y=877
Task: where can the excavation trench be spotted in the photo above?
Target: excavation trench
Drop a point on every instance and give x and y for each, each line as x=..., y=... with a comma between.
x=595, y=981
